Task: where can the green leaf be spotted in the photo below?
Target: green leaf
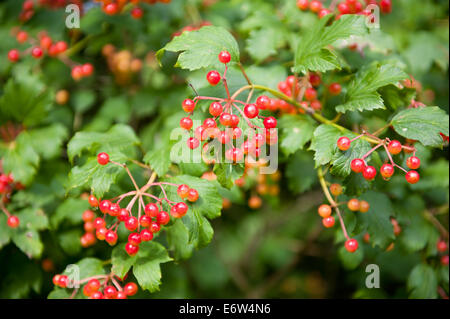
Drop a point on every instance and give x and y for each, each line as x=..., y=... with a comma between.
x=341, y=160
x=312, y=54
x=262, y=43
x=70, y=210
x=296, y=131
x=377, y=219
x=323, y=143
x=199, y=49
x=351, y=260
x=70, y=241
x=118, y=138
x=28, y=241
x=5, y=231
x=362, y=92
x=121, y=261
x=159, y=159
x=33, y=218
x=47, y=141
x=178, y=239
x=300, y=172
x=147, y=269
x=422, y=282
x=82, y=100
x=422, y=124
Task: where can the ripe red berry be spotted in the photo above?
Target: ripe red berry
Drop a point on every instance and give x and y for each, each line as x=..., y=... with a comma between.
x=101, y=233
x=145, y=220
x=111, y=237
x=96, y=295
x=224, y=57
x=121, y=295
x=111, y=8
x=234, y=120
x=369, y=173
x=251, y=111
x=441, y=246
x=114, y=209
x=364, y=206
x=88, y=215
x=22, y=36
x=93, y=285
x=394, y=147
x=123, y=215
x=315, y=6
x=310, y=94
x=335, y=88
x=387, y=170
x=412, y=177
x=386, y=6
x=192, y=195
x=182, y=207
x=130, y=289
x=28, y=5
x=36, y=52
x=60, y=46
x=87, y=69
x=263, y=102
x=357, y=165
x=343, y=8
x=183, y=191
x=316, y=105
x=151, y=209
x=328, y=222
x=13, y=55
x=99, y=222
x=131, y=223
x=237, y=133
x=351, y=245
x=215, y=109
x=93, y=201
x=444, y=260
x=163, y=218
x=303, y=4
x=103, y=158
x=188, y=105
x=270, y=122
x=413, y=162
x=137, y=13
x=134, y=239
x=209, y=123
x=77, y=73
x=234, y=155
x=213, y=77
x=225, y=119
x=13, y=221
x=186, y=123
x=154, y=227
x=63, y=281
x=323, y=12
x=131, y=249
x=353, y=204
x=193, y=143
x=324, y=210
x=104, y=206
x=343, y=143
x=146, y=235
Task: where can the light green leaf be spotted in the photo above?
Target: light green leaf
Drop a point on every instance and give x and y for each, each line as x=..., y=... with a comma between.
x=323, y=143
x=422, y=282
x=296, y=131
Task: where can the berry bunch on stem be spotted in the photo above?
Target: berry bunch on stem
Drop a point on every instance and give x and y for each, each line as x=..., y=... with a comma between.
x=97, y=287
x=392, y=147
x=343, y=7
x=150, y=217
x=113, y=7
x=227, y=113
x=7, y=186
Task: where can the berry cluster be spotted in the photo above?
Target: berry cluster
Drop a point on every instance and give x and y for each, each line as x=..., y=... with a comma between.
x=7, y=186
x=442, y=247
x=392, y=147
x=303, y=92
x=221, y=111
x=150, y=216
x=44, y=44
x=98, y=287
x=121, y=63
x=344, y=7
x=113, y=7
x=28, y=7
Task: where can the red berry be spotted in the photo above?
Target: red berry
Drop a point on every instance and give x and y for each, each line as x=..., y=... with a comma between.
x=234, y=155
x=192, y=195
x=93, y=201
x=413, y=162
x=387, y=170
x=131, y=223
x=183, y=191
x=111, y=237
x=87, y=69
x=137, y=13
x=182, y=208
x=200, y=133
x=88, y=215
x=77, y=73
x=213, y=77
x=259, y=140
x=344, y=143
x=114, y=209
x=188, y=105
x=13, y=55
x=354, y=204
x=444, y=260
x=369, y=173
x=96, y=295
x=111, y=8
x=151, y=209
x=270, y=122
x=314, y=79
x=154, y=227
x=441, y=246
x=101, y=233
x=145, y=220
x=394, y=147
x=121, y=295
x=310, y=94
x=335, y=88
x=323, y=12
x=60, y=46
x=224, y=57
x=104, y=206
x=324, y=210
x=315, y=6
x=225, y=119
x=28, y=5
x=130, y=289
x=55, y=279
x=328, y=222
x=22, y=36
x=123, y=215
x=316, y=105
x=99, y=222
x=224, y=137
x=412, y=177
x=251, y=111
x=193, y=143
x=215, y=109
x=386, y=6
x=146, y=235
x=93, y=285
x=351, y=245
x=103, y=158
x=237, y=133
x=357, y=165
x=303, y=4
x=13, y=221
x=234, y=120
x=209, y=122
x=263, y=102
x=134, y=239
x=131, y=249
x=63, y=281
x=343, y=8
x=163, y=218
x=186, y=123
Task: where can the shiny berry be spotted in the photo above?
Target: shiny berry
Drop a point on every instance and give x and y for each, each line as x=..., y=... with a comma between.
x=328, y=222
x=441, y=246
x=131, y=249
x=310, y=94
x=151, y=209
x=88, y=215
x=315, y=6
x=131, y=223
x=251, y=111
x=413, y=162
x=145, y=220
x=215, y=109
x=225, y=119
x=146, y=235
x=394, y=147
x=357, y=165
x=36, y=52
x=13, y=221
x=353, y=204
x=193, y=143
x=163, y=218
x=188, y=105
x=186, y=123
x=13, y=55
x=104, y=206
x=224, y=57
x=412, y=177
x=182, y=191
x=155, y=227
x=324, y=210
x=344, y=143
x=111, y=237
x=130, y=289
x=270, y=122
x=192, y=195
x=134, y=239
x=351, y=245
x=93, y=201
x=263, y=102
x=213, y=77
x=336, y=189
x=369, y=173
x=387, y=170
x=103, y=158
x=335, y=88
x=123, y=215
x=137, y=13
x=111, y=8
x=364, y=206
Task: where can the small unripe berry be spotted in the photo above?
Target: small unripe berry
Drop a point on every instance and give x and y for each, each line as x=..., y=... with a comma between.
x=324, y=210
x=353, y=204
x=364, y=206
x=336, y=189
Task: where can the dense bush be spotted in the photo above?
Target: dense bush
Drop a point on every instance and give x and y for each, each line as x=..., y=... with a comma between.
x=101, y=129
